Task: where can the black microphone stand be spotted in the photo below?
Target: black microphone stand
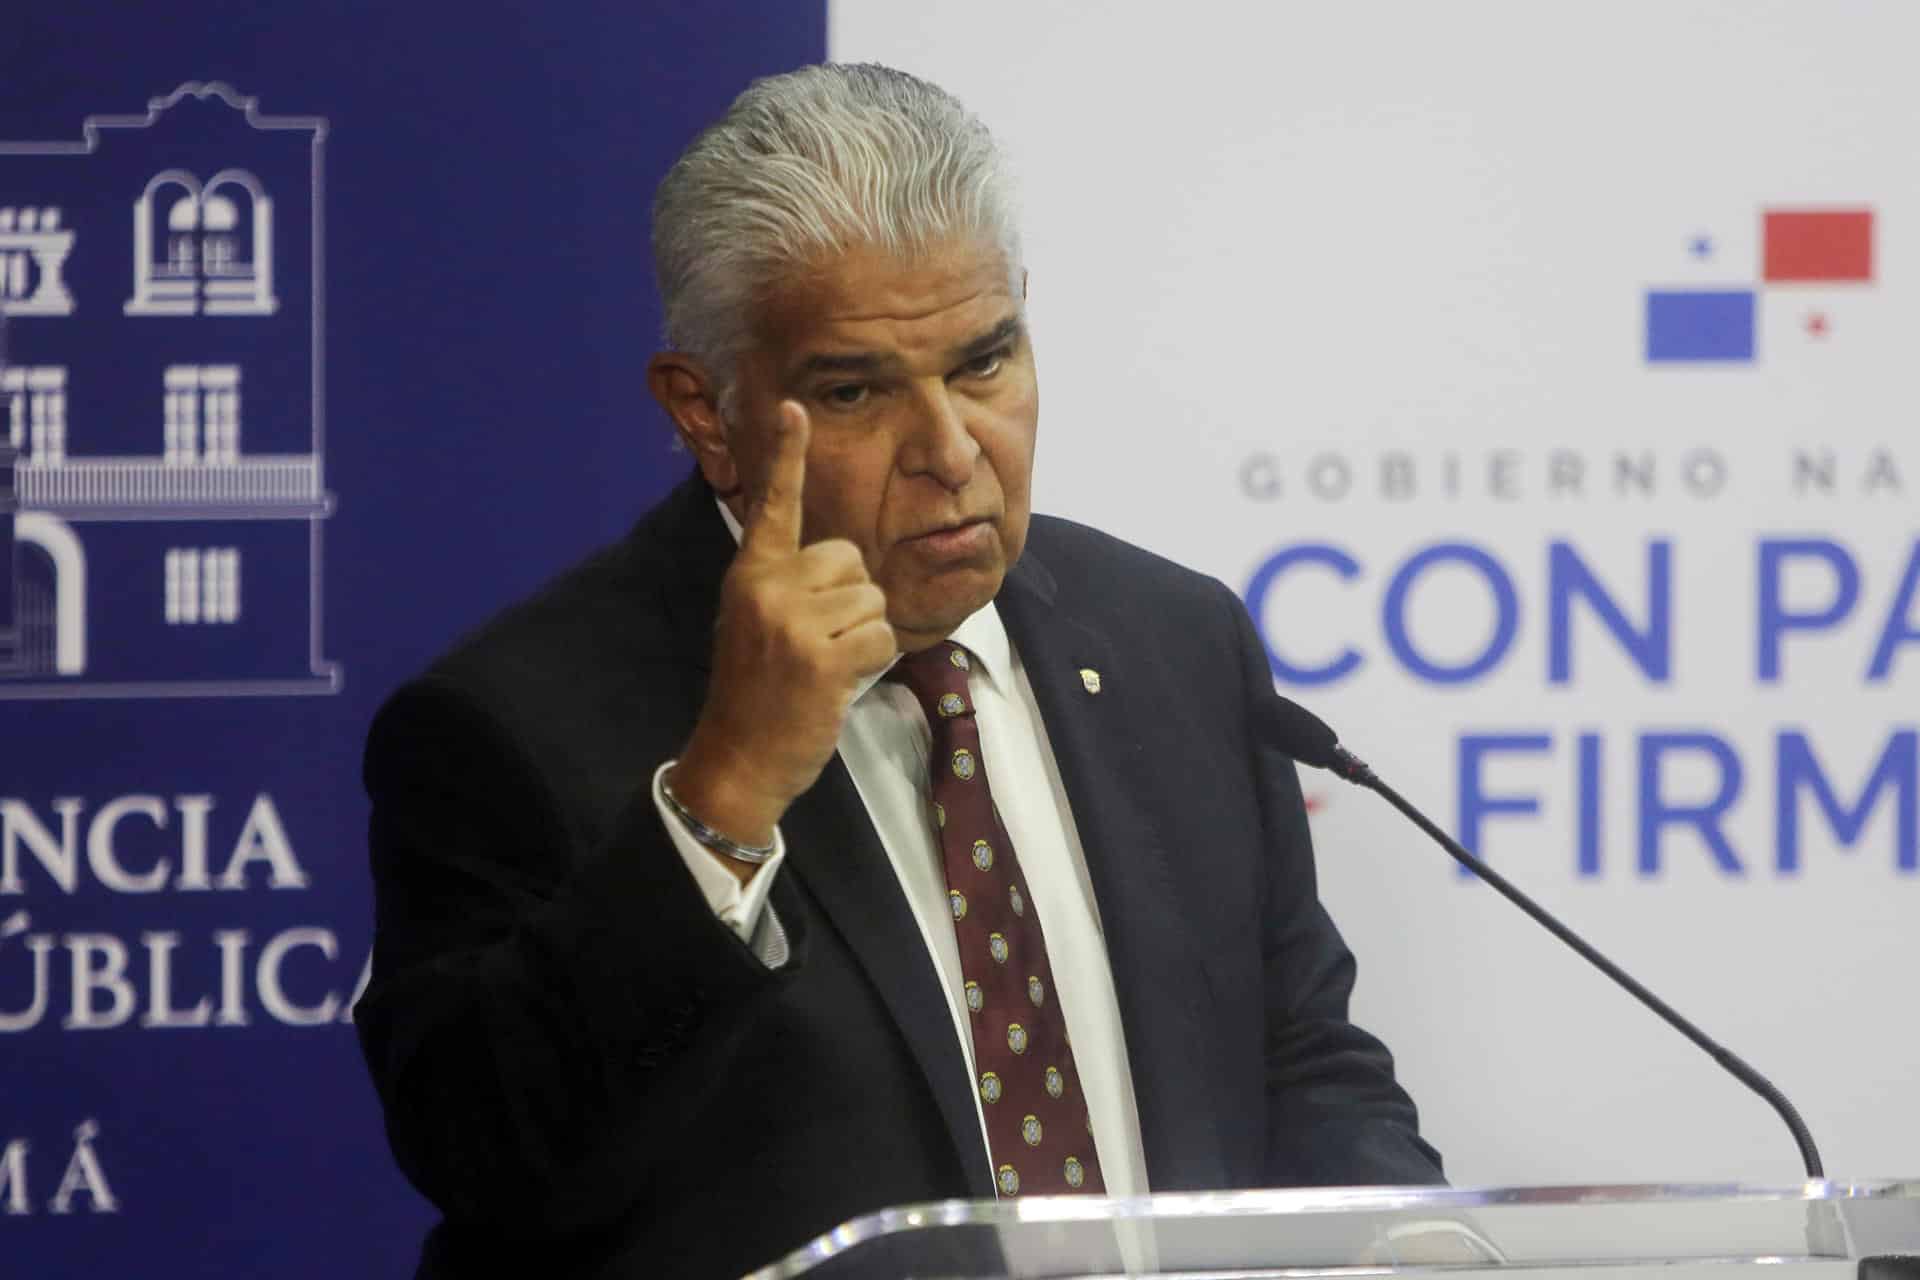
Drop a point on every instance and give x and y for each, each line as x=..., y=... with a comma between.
x=1355, y=770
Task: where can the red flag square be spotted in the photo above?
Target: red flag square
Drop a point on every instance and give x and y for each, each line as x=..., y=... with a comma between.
x=1828, y=246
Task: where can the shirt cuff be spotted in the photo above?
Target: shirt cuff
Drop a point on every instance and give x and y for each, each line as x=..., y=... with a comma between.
x=736, y=905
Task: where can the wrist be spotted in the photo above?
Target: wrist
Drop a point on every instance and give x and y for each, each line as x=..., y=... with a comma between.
x=741, y=862
x=718, y=793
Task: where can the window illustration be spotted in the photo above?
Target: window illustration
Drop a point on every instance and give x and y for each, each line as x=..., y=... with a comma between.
x=205, y=249
x=33, y=254
x=202, y=415
x=202, y=585
x=33, y=412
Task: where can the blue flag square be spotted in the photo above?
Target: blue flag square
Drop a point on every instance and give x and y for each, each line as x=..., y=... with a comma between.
x=1699, y=324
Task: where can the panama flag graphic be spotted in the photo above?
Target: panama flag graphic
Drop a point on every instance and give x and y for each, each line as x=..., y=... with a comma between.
x=1817, y=247
x=1801, y=254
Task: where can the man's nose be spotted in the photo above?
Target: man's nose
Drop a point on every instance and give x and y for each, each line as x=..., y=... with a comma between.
x=942, y=445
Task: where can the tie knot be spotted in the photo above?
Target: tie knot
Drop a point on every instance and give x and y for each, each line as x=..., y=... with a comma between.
x=937, y=675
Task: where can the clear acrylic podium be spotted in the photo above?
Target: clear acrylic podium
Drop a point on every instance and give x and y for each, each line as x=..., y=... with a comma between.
x=1817, y=1231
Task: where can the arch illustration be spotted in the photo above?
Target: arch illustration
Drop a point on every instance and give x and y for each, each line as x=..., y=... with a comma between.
x=168, y=286
x=237, y=257
x=55, y=537
x=238, y=178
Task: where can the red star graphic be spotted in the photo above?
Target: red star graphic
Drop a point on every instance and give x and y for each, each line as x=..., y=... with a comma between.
x=1817, y=324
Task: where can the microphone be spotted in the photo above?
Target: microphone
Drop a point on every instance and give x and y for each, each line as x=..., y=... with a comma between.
x=1298, y=732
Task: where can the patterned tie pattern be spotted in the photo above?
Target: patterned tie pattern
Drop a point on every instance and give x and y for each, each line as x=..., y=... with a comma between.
x=1039, y=1131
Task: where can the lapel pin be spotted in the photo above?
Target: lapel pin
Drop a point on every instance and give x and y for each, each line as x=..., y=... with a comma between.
x=1090, y=678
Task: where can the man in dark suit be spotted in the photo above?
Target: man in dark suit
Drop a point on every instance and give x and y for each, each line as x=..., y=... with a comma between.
x=674, y=965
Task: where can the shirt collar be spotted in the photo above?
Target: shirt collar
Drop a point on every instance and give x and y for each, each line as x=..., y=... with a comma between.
x=733, y=525
x=981, y=632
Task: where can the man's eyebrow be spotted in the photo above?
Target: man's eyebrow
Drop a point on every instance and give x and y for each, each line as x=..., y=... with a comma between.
x=1001, y=334
x=851, y=362
x=872, y=362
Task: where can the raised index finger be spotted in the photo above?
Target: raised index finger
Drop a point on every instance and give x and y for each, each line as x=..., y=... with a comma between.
x=773, y=526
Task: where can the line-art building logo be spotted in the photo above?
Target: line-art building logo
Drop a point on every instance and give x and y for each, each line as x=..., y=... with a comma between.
x=162, y=486
x=1798, y=247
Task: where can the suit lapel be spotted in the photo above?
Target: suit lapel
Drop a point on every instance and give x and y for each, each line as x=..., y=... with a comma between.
x=1101, y=742
x=838, y=858
x=833, y=850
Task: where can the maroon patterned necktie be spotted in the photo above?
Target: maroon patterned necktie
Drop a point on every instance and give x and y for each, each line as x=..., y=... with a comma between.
x=1039, y=1132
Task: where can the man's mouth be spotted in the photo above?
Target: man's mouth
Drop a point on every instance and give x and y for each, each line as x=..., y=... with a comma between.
x=962, y=538
x=950, y=527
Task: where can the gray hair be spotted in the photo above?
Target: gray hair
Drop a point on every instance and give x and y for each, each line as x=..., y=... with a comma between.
x=806, y=165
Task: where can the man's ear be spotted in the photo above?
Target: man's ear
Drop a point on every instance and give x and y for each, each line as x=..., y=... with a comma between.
x=686, y=391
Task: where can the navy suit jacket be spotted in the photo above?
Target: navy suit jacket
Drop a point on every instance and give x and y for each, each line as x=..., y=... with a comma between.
x=590, y=1075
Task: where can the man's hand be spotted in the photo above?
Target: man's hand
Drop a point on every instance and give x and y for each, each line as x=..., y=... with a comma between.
x=799, y=629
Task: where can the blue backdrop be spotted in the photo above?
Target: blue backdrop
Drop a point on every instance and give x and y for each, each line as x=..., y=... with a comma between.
x=327, y=333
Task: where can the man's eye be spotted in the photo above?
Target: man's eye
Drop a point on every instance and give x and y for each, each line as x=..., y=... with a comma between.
x=847, y=394
x=984, y=366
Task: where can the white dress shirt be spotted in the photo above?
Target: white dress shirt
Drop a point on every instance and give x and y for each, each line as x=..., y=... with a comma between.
x=885, y=743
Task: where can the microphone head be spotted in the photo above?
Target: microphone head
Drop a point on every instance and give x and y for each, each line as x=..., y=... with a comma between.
x=1300, y=733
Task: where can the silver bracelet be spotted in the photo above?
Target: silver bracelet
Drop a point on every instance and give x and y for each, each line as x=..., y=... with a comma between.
x=707, y=837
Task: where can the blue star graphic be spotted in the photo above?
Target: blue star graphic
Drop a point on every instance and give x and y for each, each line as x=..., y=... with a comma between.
x=1701, y=247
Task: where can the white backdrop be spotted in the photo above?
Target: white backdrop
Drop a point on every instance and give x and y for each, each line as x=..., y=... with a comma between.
x=1374, y=276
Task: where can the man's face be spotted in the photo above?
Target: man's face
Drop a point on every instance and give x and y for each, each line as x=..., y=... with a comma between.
x=918, y=380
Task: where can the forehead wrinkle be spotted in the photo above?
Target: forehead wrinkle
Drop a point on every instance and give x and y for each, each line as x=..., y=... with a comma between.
x=850, y=362
x=893, y=357
x=906, y=317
